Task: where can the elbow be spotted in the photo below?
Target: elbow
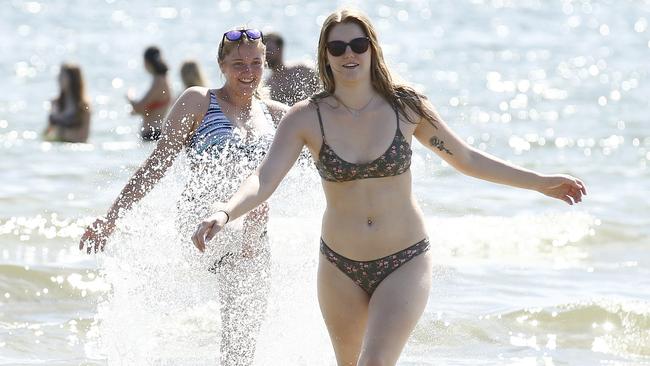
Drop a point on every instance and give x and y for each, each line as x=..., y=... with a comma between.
x=466, y=162
x=266, y=184
x=265, y=187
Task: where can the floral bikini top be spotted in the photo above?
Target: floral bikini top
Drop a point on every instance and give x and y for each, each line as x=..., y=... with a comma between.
x=395, y=161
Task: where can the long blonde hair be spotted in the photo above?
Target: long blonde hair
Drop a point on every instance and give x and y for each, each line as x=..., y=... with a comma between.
x=399, y=95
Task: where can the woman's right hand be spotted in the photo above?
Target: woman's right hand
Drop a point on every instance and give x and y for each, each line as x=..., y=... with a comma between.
x=208, y=228
x=96, y=235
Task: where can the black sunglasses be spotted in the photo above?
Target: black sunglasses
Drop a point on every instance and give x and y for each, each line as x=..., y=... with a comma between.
x=357, y=45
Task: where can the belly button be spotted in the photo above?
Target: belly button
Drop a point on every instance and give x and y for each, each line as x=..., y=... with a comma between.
x=369, y=221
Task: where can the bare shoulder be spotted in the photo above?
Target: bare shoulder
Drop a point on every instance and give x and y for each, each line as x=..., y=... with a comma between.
x=301, y=117
x=415, y=117
x=194, y=93
x=303, y=110
x=194, y=98
x=189, y=108
x=161, y=82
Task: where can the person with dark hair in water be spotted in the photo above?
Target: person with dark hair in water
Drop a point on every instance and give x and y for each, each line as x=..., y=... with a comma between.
x=69, y=119
x=288, y=84
x=225, y=133
x=155, y=102
x=376, y=267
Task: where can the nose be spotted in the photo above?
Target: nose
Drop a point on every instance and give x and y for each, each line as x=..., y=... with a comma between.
x=348, y=51
x=246, y=68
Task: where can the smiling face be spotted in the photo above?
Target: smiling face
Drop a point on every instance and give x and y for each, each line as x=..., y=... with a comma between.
x=243, y=67
x=350, y=66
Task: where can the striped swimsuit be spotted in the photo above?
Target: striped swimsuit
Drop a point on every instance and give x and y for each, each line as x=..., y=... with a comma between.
x=219, y=150
x=216, y=132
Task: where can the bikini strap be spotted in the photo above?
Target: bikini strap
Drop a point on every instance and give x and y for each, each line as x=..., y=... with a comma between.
x=267, y=112
x=214, y=103
x=397, y=118
x=320, y=121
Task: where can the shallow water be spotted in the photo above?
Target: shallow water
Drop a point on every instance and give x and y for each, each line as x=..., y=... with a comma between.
x=555, y=86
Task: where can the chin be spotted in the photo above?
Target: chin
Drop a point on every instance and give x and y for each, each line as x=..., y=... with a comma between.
x=353, y=76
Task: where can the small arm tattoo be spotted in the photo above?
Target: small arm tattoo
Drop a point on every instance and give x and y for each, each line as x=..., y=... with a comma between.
x=439, y=144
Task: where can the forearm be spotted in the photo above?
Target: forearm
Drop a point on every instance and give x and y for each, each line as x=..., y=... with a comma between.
x=484, y=166
x=141, y=183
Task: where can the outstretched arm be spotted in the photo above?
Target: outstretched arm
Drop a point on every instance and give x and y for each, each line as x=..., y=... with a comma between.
x=257, y=188
x=439, y=138
x=179, y=125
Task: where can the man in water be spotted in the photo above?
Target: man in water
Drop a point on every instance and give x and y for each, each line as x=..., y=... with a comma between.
x=288, y=84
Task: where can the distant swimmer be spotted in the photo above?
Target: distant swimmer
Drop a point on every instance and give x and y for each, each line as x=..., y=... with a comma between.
x=191, y=74
x=69, y=119
x=224, y=133
x=155, y=102
x=289, y=84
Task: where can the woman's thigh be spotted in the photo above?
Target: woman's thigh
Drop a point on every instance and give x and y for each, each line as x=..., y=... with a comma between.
x=344, y=306
x=395, y=308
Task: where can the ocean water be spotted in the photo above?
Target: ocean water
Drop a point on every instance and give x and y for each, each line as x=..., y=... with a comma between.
x=555, y=86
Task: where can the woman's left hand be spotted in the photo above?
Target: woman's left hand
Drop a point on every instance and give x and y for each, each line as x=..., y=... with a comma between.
x=563, y=187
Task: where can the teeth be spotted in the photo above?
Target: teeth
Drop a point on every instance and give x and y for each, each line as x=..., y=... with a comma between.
x=350, y=65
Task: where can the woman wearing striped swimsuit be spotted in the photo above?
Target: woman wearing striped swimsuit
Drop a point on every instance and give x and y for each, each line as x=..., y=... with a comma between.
x=224, y=133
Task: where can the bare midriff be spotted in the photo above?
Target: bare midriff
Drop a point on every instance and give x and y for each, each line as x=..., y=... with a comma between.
x=368, y=219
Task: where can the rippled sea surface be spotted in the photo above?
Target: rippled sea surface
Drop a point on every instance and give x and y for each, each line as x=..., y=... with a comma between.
x=554, y=86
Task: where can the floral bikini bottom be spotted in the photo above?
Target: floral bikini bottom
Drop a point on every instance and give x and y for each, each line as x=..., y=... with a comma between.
x=369, y=274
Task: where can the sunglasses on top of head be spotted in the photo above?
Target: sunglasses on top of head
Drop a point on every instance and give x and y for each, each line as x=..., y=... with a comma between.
x=236, y=34
x=357, y=45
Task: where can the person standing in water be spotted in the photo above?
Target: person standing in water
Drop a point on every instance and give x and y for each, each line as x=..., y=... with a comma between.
x=225, y=133
x=69, y=119
x=155, y=102
x=289, y=84
x=375, y=268
x=191, y=74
